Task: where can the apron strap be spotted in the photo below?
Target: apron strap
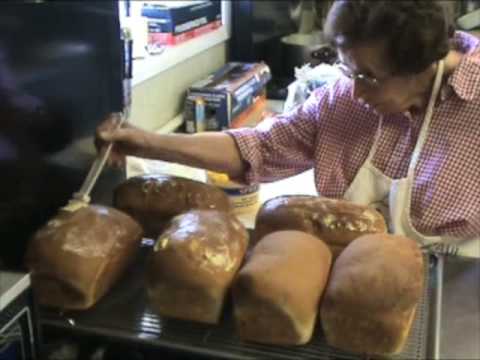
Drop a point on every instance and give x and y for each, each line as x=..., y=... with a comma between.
x=422, y=136
x=376, y=139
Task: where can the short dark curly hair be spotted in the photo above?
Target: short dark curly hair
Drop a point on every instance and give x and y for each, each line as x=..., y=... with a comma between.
x=416, y=32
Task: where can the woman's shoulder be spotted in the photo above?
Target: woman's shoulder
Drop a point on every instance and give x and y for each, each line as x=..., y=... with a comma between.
x=337, y=98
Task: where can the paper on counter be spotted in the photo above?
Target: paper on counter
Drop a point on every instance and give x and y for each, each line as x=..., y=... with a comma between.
x=137, y=166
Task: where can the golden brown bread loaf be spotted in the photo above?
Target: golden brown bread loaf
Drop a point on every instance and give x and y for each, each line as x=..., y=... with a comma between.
x=372, y=294
x=77, y=256
x=337, y=222
x=193, y=264
x=276, y=293
x=153, y=200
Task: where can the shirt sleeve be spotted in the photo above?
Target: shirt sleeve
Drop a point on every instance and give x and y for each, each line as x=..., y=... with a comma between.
x=283, y=145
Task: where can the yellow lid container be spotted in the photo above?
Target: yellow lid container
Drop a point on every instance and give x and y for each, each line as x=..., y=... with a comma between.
x=244, y=198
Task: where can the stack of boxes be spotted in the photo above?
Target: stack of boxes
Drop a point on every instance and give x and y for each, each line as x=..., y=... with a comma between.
x=234, y=96
x=174, y=22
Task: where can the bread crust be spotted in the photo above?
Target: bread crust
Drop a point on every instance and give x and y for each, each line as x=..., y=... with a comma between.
x=276, y=294
x=374, y=289
x=337, y=222
x=153, y=200
x=193, y=265
x=78, y=256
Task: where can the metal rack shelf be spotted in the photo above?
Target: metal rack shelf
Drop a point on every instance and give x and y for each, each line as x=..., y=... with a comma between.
x=124, y=315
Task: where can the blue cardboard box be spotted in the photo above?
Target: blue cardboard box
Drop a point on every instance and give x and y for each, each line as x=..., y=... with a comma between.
x=225, y=94
x=180, y=17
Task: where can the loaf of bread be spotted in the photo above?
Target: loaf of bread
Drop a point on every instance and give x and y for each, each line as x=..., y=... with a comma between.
x=337, y=222
x=277, y=292
x=193, y=265
x=372, y=294
x=153, y=200
x=77, y=256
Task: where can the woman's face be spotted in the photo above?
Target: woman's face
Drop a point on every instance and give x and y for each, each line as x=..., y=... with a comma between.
x=373, y=84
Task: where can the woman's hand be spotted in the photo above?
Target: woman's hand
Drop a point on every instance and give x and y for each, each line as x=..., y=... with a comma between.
x=215, y=151
x=127, y=140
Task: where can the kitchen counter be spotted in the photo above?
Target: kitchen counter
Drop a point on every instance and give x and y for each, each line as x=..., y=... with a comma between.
x=11, y=285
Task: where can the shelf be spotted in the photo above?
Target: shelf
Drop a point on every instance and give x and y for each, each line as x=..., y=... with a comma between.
x=144, y=69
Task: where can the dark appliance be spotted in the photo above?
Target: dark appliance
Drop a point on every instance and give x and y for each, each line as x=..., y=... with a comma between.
x=61, y=72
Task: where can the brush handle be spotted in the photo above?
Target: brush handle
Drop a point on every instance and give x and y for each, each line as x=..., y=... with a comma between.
x=84, y=193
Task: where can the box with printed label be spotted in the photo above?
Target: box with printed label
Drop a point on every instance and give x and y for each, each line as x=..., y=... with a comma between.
x=177, y=17
x=223, y=95
x=166, y=38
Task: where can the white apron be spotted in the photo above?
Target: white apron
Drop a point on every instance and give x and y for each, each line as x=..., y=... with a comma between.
x=393, y=196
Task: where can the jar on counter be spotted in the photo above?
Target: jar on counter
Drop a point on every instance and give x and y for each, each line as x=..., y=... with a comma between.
x=244, y=198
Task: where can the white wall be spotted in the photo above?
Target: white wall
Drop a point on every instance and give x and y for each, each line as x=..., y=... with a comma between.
x=159, y=99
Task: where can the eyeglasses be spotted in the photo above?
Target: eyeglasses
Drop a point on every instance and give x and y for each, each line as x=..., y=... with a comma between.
x=369, y=80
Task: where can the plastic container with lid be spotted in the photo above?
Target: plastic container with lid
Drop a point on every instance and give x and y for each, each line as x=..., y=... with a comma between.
x=244, y=198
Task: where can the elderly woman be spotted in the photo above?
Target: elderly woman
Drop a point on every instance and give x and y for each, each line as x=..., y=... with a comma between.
x=400, y=130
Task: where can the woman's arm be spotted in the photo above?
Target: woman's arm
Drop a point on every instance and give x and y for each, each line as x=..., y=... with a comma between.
x=215, y=151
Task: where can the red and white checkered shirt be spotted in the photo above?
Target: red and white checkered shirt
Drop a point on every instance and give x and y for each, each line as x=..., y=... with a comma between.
x=333, y=133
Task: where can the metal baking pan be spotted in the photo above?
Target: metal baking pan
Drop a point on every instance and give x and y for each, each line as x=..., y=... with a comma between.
x=124, y=315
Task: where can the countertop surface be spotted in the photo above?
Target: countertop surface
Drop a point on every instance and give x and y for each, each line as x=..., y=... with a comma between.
x=11, y=285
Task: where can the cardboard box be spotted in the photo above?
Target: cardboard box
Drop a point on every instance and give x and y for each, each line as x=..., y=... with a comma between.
x=223, y=95
x=162, y=38
x=176, y=17
x=253, y=115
